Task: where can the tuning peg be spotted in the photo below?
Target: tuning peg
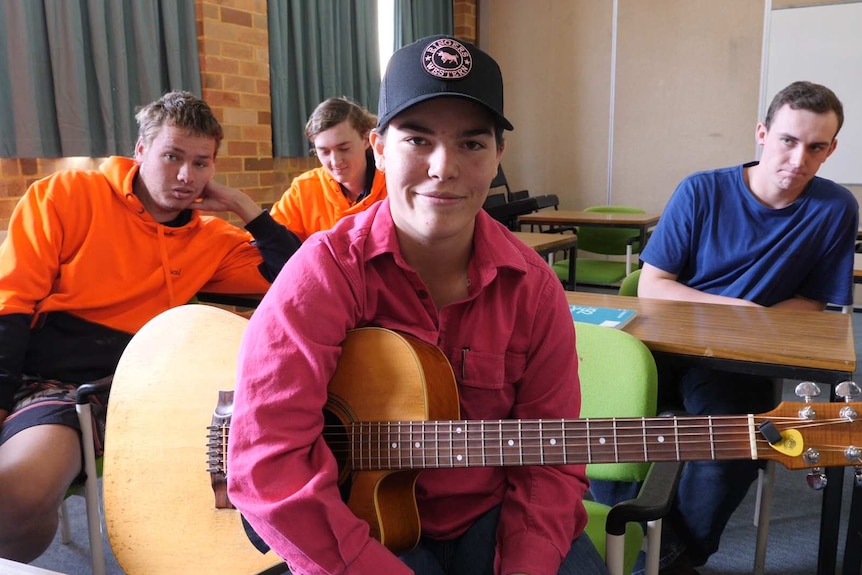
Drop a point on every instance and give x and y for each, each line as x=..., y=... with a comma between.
x=816, y=479
x=807, y=390
x=848, y=391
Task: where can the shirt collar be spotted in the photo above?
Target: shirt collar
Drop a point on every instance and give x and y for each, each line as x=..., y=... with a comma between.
x=494, y=246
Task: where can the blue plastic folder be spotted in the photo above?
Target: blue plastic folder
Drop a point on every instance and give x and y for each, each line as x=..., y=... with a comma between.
x=604, y=316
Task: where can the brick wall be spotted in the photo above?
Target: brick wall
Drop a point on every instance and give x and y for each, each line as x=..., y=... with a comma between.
x=234, y=58
x=464, y=12
x=234, y=55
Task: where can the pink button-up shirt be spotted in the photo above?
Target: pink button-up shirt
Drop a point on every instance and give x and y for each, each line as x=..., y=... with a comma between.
x=521, y=363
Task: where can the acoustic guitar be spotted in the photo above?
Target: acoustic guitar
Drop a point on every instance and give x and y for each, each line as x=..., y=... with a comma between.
x=392, y=411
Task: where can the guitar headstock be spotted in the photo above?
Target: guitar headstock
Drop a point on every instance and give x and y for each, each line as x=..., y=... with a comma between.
x=812, y=434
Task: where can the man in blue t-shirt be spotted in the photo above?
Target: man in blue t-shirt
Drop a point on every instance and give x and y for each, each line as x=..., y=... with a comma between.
x=767, y=233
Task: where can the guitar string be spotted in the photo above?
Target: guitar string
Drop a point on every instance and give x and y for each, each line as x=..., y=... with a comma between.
x=431, y=436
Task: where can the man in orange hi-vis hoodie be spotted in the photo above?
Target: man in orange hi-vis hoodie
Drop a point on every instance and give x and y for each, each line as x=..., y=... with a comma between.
x=89, y=258
x=346, y=183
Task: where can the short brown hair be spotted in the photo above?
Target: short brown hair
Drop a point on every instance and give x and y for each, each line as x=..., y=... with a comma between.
x=334, y=111
x=181, y=110
x=806, y=96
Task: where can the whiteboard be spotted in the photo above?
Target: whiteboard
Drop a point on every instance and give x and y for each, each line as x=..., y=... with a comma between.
x=823, y=44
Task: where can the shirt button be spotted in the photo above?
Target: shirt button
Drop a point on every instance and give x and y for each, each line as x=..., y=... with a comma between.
x=422, y=294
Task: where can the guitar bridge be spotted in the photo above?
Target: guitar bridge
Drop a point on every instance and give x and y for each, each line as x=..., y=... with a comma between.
x=217, y=434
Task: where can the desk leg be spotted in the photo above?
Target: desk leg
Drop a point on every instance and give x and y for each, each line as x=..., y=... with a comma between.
x=573, y=256
x=830, y=519
x=853, y=547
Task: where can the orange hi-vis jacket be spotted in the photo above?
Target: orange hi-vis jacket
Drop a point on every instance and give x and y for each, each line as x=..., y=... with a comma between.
x=82, y=242
x=314, y=202
x=84, y=266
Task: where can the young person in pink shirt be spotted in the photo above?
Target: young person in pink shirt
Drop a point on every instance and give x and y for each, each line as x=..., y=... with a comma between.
x=429, y=262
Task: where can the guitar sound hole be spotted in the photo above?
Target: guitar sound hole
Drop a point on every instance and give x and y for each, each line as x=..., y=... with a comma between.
x=337, y=439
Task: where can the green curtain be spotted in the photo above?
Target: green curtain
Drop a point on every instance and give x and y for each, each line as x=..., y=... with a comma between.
x=416, y=19
x=318, y=49
x=72, y=72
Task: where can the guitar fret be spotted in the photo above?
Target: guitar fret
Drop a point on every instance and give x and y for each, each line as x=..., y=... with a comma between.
x=711, y=438
x=520, y=445
x=500, y=440
x=541, y=444
x=421, y=436
x=399, y=446
x=452, y=445
x=563, y=446
x=407, y=443
x=616, y=442
x=484, y=439
x=645, y=438
x=425, y=442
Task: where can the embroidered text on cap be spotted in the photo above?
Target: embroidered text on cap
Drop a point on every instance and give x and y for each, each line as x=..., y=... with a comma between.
x=447, y=59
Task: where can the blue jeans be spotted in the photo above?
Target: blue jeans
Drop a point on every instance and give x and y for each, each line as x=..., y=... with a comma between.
x=709, y=491
x=473, y=553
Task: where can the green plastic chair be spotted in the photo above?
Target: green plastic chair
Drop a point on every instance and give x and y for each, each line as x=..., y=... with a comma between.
x=629, y=286
x=606, y=242
x=619, y=380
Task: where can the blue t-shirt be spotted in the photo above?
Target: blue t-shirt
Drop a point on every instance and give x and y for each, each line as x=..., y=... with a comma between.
x=717, y=238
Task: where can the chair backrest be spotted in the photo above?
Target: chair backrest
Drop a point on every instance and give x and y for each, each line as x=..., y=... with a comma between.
x=548, y=201
x=609, y=241
x=494, y=201
x=500, y=181
x=507, y=214
x=629, y=286
x=618, y=379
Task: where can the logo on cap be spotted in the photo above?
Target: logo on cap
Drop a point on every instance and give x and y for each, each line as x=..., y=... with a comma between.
x=447, y=59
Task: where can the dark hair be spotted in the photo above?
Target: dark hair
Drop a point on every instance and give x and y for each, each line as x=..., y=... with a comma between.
x=181, y=110
x=806, y=96
x=334, y=111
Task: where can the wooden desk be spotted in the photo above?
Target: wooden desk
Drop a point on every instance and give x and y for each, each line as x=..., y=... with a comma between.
x=763, y=341
x=815, y=346
x=558, y=218
x=12, y=568
x=547, y=244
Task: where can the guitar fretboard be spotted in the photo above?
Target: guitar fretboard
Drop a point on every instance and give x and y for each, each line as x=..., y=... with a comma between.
x=438, y=444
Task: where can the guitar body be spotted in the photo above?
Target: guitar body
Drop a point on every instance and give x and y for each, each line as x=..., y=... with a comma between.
x=159, y=505
x=386, y=376
x=160, y=508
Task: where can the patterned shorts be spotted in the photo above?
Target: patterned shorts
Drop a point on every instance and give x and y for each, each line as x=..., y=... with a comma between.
x=48, y=401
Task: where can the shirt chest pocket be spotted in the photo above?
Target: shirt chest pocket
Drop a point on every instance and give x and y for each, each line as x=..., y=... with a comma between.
x=487, y=382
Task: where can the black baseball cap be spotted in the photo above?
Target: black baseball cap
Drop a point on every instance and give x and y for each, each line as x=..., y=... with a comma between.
x=440, y=66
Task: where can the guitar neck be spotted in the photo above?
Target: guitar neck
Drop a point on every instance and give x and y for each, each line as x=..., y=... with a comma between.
x=444, y=444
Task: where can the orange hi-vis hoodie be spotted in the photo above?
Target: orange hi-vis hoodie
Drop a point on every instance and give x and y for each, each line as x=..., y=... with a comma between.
x=81, y=242
x=314, y=202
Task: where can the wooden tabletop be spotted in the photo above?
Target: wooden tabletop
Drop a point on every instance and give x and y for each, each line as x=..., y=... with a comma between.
x=546, y=242
x=810, y=340
x=578, y=217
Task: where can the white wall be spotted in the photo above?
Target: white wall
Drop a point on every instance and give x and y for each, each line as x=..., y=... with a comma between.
x=686, y=92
